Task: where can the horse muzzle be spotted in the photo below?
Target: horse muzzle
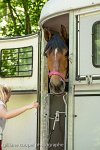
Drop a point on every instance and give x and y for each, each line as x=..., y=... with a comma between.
x=57, y=87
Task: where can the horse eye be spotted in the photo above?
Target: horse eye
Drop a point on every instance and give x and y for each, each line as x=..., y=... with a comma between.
x=66, y=54
x=45, y=54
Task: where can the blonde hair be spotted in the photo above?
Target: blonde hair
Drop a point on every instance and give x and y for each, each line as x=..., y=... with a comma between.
x=4, y=92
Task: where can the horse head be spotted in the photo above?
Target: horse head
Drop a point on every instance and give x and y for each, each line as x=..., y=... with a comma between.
x=56, y=51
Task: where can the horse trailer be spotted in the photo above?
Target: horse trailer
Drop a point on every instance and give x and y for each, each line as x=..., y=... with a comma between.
x=66, y=121
x=71, y=121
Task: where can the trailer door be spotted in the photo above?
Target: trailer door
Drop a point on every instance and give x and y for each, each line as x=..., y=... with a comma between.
x=87, y=123
x=88, y=45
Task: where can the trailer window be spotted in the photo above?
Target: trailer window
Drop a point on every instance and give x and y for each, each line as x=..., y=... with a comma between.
x=96, y=44
x=16, y=62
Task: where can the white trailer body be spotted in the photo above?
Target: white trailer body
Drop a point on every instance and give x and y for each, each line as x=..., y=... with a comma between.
x=82, y=21
x=20, y=132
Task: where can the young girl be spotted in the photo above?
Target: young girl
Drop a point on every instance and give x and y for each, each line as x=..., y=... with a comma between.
x=5, y=93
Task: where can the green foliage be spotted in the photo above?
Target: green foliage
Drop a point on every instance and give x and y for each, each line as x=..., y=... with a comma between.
x=17, y=18
x=20, y=17
x=16, y=62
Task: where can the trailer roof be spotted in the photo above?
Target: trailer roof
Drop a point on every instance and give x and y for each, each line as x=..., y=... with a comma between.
x=53, y=7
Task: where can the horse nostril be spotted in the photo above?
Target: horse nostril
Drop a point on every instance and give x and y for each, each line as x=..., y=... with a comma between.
x=62, y=83
x=51, y=84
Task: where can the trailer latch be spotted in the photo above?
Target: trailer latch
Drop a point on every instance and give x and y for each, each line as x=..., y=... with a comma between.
x=89, y=79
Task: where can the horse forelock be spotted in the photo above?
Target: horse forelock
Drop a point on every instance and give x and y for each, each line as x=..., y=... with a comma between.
x=56, y=42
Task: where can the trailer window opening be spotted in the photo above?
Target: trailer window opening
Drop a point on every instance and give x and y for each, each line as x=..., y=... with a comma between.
x=17, y=62
x=96, y=44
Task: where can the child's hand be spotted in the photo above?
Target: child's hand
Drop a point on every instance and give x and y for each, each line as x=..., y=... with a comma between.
x=33, y=105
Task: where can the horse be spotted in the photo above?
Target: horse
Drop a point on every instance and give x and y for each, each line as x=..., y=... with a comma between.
x=56, y=51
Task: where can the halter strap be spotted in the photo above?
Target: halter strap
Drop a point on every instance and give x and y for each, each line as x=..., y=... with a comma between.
x=56, y=73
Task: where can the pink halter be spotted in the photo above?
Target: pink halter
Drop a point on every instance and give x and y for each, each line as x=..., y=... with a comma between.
x=56, y=73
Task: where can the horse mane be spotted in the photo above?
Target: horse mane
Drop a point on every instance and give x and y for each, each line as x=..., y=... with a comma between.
x=55, y=42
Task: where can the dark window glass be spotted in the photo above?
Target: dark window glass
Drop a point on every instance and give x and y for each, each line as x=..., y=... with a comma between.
x=96, y=44
x=17, y=62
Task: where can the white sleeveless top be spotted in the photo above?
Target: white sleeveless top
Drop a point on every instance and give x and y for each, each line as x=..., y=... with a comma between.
x=2, y=122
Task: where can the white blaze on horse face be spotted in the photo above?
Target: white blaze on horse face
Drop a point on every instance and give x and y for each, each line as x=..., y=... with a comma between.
x=55, y=56
x=56, y=53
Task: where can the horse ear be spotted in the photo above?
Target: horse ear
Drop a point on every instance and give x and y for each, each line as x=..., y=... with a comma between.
x=47, y=34
x=63, y=32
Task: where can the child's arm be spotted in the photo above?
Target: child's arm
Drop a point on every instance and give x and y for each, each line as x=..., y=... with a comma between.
x=11, y=114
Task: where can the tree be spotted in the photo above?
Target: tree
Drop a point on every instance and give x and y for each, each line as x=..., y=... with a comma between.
x=20, y=17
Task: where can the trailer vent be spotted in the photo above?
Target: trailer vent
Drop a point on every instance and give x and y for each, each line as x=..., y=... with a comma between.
x=16, y=62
